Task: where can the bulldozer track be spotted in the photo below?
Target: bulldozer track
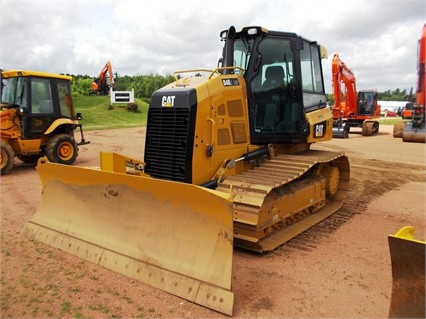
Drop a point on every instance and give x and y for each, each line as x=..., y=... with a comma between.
x=368, y=191
x=252, y=191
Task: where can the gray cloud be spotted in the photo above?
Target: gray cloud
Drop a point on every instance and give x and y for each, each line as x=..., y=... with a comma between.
x=377, y=39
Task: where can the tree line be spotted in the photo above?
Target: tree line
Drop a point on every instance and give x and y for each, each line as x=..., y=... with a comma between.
x=145, y=85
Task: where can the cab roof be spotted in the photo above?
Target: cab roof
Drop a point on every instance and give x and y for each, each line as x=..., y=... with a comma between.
x=27, y=73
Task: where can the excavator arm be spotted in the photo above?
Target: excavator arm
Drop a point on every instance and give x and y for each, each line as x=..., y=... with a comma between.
x=415, y=130
x=341, y=73
x=421, y=84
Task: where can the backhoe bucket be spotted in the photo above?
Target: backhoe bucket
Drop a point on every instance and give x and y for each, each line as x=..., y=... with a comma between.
x=173, y=236
x=408, y=275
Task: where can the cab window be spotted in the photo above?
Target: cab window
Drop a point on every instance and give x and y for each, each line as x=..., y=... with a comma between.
x=41, y=96
x=64, y=98
x=312, y=84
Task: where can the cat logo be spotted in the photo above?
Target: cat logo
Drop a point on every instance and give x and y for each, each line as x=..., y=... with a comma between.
x=319, y=129
x=168, y=101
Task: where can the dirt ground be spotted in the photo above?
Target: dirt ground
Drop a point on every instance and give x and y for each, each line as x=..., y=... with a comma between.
x=340, y=268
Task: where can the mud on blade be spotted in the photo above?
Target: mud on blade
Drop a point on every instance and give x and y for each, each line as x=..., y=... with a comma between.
x=176, y=237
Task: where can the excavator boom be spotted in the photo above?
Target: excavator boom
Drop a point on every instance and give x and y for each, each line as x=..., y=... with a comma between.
x=415, y=130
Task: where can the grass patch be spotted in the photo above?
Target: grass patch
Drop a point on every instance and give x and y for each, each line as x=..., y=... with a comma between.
x=99, y=115
x=66, y=307
x=391, y=120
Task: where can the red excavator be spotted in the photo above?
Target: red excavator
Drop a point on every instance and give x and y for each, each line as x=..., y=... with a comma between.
x=352, y=109
x=415, y=130
x=102, y=84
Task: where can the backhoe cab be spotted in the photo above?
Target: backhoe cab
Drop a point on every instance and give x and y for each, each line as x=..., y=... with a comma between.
x=37, y=118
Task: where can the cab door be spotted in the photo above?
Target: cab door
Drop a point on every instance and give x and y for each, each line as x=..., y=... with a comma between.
x=41, y=113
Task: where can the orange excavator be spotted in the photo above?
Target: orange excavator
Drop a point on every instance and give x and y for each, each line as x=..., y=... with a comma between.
x=415, y=130
x=102, y=84
x=352, y=109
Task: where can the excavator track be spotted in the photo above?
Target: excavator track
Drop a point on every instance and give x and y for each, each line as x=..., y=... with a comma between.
x=284, y=196
x=370, y=128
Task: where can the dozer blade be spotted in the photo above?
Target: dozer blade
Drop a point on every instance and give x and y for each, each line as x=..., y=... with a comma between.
x=173, y=236
x=408, y=275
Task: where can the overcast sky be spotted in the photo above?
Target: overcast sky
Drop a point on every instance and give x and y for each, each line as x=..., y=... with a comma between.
x=377, y=39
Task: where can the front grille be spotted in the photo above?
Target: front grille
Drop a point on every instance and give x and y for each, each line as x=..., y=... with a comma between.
x=168, y=148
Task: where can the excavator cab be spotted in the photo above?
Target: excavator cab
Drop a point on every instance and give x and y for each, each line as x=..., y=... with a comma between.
x=367, y=103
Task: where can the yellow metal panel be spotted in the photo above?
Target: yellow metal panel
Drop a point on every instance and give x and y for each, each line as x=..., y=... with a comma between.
x=59, y=122
x=15, y=73
x=27, y=146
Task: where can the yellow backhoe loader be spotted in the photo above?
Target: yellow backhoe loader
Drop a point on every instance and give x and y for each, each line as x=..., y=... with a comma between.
x=227, y=162
x=37, y=118
x=408, y=275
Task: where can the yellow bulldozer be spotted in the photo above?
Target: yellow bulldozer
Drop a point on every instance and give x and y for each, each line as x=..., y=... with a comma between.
x=37, y=118
x=227, y=162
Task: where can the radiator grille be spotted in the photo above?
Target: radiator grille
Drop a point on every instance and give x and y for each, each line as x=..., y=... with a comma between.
x=168, y=148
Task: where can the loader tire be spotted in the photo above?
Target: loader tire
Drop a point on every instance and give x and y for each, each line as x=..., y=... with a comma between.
x=62, y=149
x=6, y=158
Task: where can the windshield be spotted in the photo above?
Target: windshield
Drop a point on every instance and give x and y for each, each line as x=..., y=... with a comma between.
x=13, y=91
x=241, y=54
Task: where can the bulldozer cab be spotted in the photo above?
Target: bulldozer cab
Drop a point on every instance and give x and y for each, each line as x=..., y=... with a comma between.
x=284, y=78
x=40, y=100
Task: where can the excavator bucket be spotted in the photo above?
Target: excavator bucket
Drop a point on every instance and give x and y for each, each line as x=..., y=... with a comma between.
x=414, y=134
x=408, y=275
x=173, y=236
x=341, y=130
